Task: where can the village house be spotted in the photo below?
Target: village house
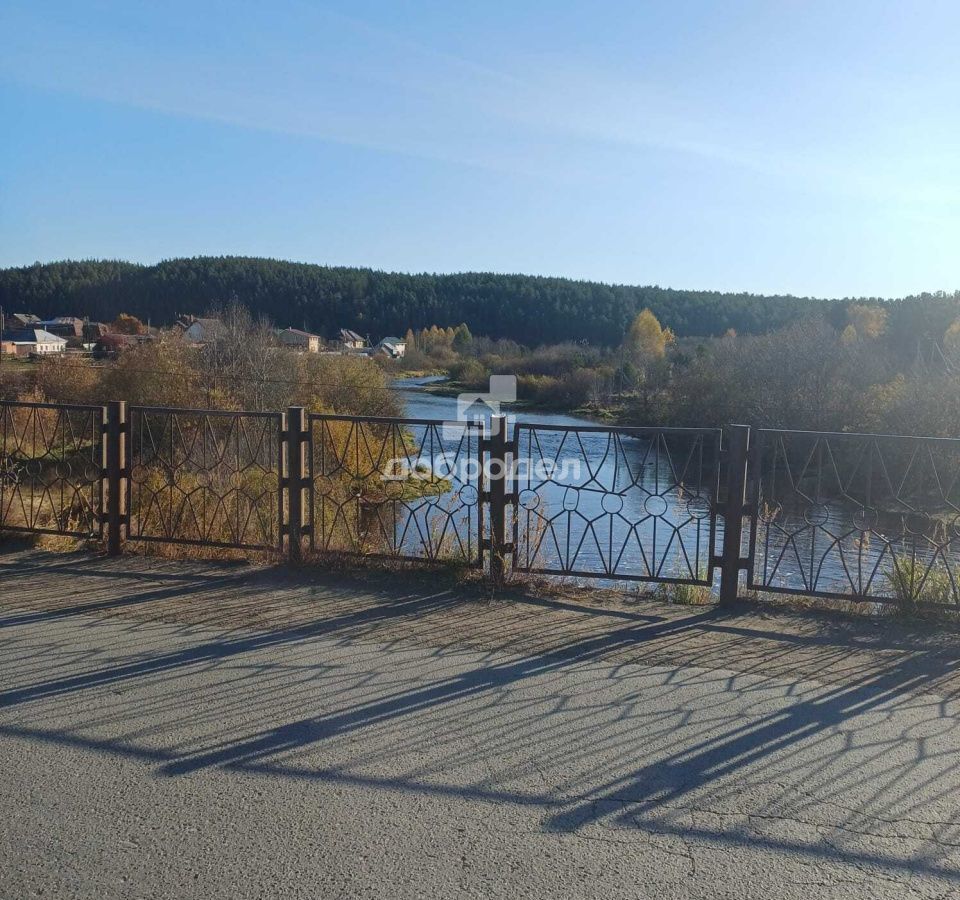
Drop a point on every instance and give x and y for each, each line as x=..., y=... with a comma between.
x=63, y=326
x=201, y=331
x=112, y=343
x=19, y=321
x=351, y=341
x=300, y=340
x=76, y=331
x=34, y=342
x=393, y=347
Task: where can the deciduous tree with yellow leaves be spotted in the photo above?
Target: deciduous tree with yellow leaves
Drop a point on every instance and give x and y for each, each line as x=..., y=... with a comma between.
x=647, y=340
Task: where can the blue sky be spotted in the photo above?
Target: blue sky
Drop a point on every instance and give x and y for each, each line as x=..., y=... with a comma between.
x=801, y=147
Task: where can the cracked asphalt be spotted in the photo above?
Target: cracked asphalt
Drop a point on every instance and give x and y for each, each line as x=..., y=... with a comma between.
x=206, y=730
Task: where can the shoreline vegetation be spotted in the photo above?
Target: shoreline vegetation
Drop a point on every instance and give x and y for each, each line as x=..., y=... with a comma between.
x=875, y=367
x=810, y=375
x=450, y=388
x=870, y=371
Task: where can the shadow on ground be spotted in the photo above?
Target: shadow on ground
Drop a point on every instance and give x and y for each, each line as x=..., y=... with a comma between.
x=831, y=739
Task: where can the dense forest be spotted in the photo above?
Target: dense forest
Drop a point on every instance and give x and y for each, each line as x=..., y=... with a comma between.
x=529, y=309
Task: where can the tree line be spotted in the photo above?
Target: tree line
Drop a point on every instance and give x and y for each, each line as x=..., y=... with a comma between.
x=532, y=310
x=866, y=372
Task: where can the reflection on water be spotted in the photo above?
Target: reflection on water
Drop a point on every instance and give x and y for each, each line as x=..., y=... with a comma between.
x=827, y=550
x=867, y=515
x=639, y=507
x=631, y=507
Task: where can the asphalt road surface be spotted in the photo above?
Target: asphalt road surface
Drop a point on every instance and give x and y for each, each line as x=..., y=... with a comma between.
x=176, y=731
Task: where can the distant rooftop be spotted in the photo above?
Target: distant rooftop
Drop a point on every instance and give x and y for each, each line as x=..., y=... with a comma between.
x=35, y=336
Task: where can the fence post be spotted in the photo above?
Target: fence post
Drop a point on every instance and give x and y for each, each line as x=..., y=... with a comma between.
x=296, y=443
x=738, y=446
x=498, y=472
x=115, y=452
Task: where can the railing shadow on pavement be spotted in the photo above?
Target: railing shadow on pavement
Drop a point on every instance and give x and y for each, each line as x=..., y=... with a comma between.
x=571, y=728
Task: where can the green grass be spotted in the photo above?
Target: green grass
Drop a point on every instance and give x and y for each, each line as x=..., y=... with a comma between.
x=914, y=585
x=685, y=594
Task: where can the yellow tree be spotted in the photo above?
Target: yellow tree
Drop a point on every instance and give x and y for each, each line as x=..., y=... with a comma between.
x=644, y=356
x=848, y=336
x=951, y=339
x=869, y=322
x=646, y=339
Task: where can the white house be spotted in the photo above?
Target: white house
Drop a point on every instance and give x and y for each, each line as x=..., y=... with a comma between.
x=203, y=331
x=36, y=341
x=393, y=346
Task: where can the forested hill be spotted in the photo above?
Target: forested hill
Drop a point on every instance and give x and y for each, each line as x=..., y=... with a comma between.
x=528, y=309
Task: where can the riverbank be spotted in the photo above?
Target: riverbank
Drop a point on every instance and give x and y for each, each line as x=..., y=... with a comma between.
x=441, y=386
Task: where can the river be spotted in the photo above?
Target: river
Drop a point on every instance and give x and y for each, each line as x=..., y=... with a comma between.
x=632, y=506
x=420, y=404
x=621, y=506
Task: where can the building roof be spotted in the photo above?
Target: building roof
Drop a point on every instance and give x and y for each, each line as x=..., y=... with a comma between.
x=211, y=328
x=298, y=331
x=114, y=341
x=349, y=335
x=393, y=340
x=36, y=336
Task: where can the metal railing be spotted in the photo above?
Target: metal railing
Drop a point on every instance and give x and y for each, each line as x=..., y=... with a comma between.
x=204, y=477
x=395, y=488
x=626, y=503
x=51, y=468
x=856, y=516
x=851, y=516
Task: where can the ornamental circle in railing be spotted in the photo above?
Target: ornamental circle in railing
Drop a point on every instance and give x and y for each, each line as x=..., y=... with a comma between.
x=865, y=518
x=655, y=506
x=393, y=490
x=529, y=499
x=817, y=515
x=611, y=504
x=698, y=507
x=918, y=524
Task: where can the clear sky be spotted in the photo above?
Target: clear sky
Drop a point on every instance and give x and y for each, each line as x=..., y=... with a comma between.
x=801, y=147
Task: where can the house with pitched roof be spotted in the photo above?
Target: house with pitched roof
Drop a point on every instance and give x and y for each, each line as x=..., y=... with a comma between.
x=35, y=342
x=296, y=339
x=393, y=347
x=351, y=341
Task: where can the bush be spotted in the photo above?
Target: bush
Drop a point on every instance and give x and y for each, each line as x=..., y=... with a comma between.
x=914, y=585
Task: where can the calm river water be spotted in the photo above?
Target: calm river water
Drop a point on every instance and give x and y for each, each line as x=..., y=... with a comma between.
x=623, y=506
x=632, y=506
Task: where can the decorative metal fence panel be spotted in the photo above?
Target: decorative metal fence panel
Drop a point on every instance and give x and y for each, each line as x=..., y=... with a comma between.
x=51, y=463
x=849, y=516
x=205, y=477
x=626, y=503
x=395, y=488
x=856, y=516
